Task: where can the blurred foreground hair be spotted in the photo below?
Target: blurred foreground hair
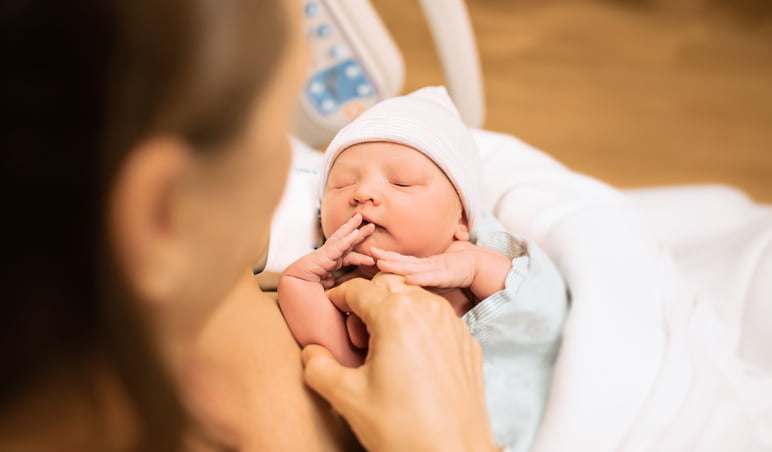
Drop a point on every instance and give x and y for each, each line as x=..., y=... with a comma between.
x=83, y=83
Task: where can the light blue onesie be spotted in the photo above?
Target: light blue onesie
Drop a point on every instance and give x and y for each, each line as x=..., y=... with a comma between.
x=519, y=329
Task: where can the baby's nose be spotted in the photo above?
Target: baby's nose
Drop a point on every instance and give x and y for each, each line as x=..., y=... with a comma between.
x=366, y=192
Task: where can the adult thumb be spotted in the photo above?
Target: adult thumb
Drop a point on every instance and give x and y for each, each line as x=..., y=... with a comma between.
x=340, y=385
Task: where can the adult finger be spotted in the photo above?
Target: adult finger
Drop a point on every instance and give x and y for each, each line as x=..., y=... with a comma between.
x=392, y=283
x=368, y=298
x=340, y=385
x=356, y=295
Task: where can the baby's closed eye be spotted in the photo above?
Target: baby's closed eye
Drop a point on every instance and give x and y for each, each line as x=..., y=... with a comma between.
x=338, y=183
x=402, y=181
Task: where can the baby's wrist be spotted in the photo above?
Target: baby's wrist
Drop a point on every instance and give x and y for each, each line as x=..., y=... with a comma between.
x=490, y=272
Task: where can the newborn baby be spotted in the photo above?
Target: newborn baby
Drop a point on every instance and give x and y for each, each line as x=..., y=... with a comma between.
x=400, y=195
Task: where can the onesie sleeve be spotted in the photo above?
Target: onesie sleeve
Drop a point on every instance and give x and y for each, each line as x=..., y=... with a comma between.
x=519, y=331
x=529, y=312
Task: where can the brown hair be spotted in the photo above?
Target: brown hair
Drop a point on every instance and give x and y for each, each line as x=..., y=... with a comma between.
x=83, y=83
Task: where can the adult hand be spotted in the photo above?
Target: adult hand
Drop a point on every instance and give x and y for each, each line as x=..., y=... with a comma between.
x=421, y=386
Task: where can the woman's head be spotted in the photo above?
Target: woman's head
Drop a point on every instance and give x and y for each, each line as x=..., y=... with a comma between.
x=143, y=151
x=209, y=160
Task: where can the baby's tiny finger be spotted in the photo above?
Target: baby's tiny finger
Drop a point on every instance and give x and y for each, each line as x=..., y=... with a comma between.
x=398, y=268
x=389, y=255
x=350, y=225
x=367, y=229
x=430, y=278
x=349, y=241
x=355, y=220
x=357, y=235
x=354, y=258
x=328, y=281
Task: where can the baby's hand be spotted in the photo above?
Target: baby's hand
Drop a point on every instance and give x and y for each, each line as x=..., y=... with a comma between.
x=336, y=252
x=463, y=264
x=454, y=268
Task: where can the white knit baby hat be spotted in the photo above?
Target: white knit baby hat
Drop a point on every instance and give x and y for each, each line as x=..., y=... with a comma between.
x=428, y=121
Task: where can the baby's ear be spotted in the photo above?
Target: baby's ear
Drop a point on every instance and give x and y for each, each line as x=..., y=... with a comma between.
x=462, y=231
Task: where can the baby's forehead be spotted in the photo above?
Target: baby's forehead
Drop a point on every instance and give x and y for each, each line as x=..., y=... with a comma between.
x=392, y=154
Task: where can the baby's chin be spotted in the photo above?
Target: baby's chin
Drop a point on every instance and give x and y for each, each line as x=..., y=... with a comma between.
x=377, y=241
x=369, y=241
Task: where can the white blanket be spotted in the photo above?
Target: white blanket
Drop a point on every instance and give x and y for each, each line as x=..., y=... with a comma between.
x=645, y=363
x=669, y=287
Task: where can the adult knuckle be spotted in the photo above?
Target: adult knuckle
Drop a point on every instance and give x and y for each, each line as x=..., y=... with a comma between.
x=401, y=301
x=398, y=308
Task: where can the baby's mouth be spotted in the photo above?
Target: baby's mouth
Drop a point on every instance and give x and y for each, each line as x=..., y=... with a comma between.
x=366, y=221
x=377, y=226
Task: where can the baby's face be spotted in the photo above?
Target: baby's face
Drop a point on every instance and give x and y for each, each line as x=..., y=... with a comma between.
x=410, y=200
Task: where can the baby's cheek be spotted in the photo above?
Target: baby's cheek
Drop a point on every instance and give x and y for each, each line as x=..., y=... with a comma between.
x=332, y=215
x=329, y=222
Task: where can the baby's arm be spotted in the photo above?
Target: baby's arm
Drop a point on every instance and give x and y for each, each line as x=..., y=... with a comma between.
x=310, y=315
x=463, y=264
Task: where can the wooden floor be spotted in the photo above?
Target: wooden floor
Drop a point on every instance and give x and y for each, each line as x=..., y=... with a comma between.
x=635, y=92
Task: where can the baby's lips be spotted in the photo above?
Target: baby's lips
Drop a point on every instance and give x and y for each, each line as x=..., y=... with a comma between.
x=366, y=218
